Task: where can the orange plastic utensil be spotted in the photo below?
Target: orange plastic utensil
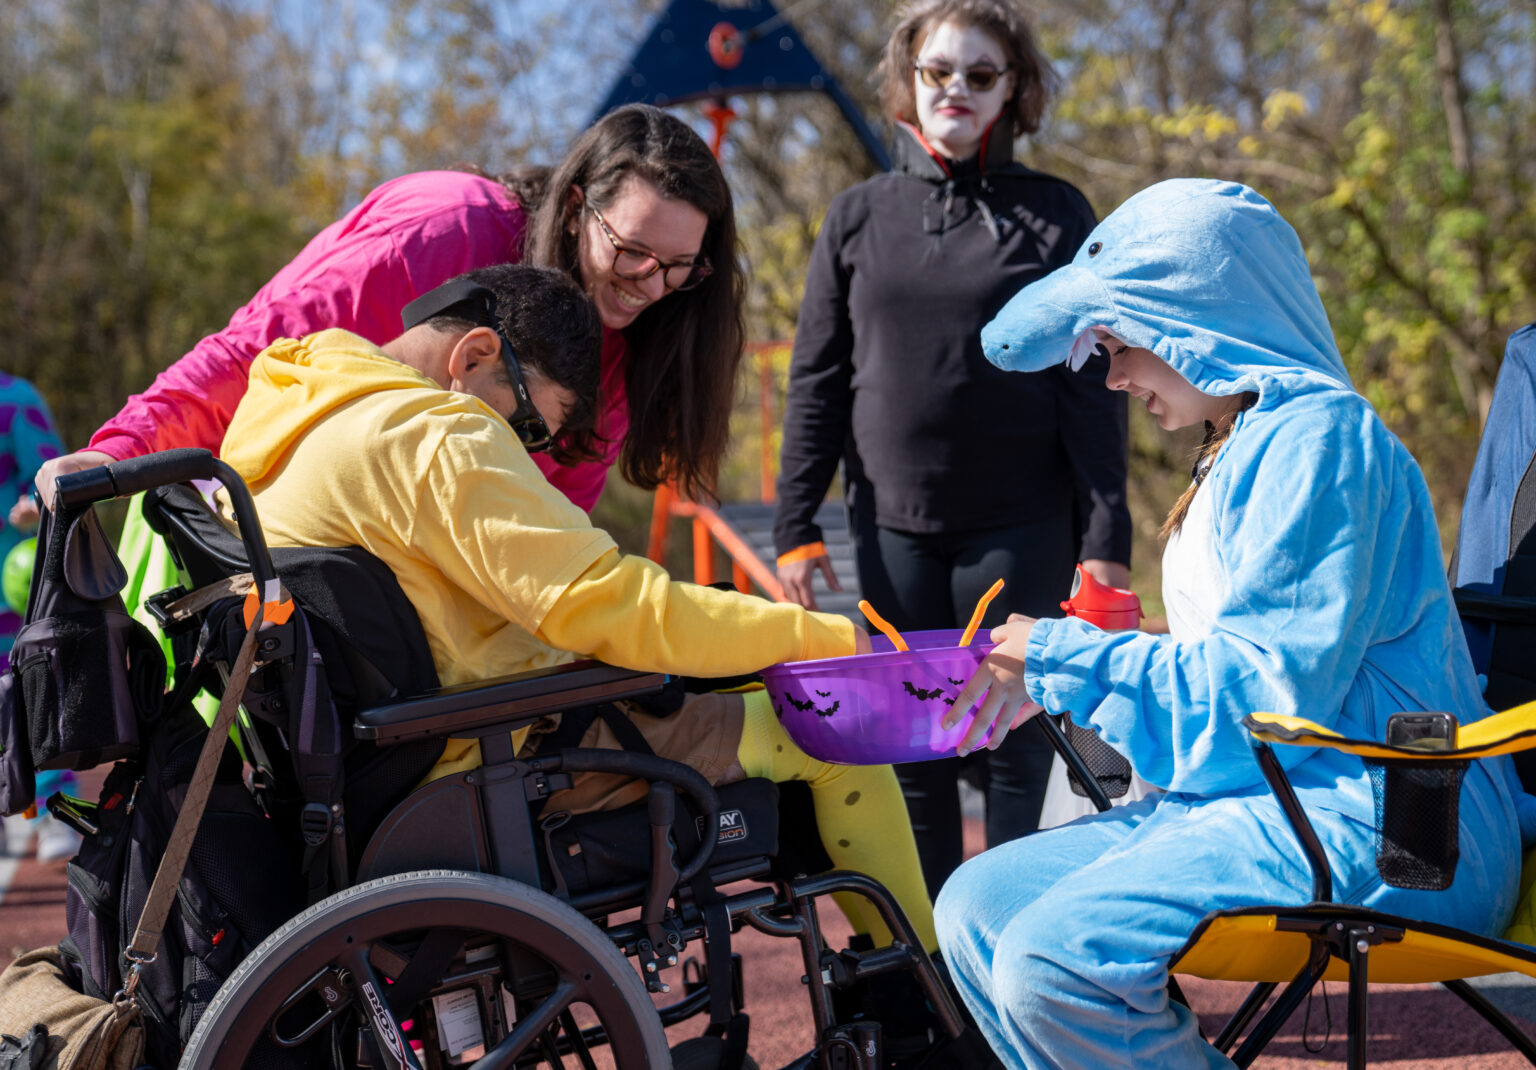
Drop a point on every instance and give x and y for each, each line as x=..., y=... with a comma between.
x=979, y=612
x=879, y=622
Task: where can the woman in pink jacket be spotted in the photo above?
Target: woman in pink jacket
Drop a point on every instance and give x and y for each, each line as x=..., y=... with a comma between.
x=638, y=211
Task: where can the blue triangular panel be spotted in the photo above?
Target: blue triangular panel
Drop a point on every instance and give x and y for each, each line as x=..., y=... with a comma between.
x=674, y=65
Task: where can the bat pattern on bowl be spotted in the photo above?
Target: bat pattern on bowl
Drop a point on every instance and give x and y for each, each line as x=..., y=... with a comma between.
x=885, y=706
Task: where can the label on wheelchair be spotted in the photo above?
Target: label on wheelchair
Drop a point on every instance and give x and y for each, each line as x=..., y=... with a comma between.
x=733, y=827
x=458, y=1022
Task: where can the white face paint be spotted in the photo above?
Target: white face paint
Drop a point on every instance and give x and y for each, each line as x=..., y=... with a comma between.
x=953, y=116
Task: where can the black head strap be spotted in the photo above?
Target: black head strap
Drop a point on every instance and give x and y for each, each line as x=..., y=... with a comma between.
x=449, y=295
x=479, y=306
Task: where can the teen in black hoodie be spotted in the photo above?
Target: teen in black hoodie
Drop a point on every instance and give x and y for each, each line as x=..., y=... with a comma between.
x=956, y=473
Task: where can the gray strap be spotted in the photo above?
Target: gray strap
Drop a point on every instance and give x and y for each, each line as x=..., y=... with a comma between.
x=189, y=605
x=162, y=892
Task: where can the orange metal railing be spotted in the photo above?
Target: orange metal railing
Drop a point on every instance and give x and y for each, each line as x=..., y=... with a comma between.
x=709, y=529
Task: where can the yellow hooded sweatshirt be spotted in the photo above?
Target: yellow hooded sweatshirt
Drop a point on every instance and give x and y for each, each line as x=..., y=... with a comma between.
x=343, y=446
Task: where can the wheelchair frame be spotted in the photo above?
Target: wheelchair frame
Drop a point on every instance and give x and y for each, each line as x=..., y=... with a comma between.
x=493, y=857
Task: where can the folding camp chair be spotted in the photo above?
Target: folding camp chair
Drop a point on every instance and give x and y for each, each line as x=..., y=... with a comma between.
x=1325, y=940
x=1494, y=570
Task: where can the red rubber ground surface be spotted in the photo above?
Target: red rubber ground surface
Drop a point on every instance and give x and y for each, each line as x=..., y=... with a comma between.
x=1412, y=1027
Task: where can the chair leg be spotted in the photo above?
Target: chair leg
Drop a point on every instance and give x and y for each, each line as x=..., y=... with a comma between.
x=1243, y=1015
x=1289, y=999
x=1359, y=999
x=1494, y=1017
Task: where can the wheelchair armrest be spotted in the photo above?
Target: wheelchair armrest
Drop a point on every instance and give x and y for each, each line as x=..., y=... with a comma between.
x=487, y=706
x=1503, y=733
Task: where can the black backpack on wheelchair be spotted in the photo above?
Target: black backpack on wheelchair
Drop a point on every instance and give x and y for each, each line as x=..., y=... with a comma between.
x=451, y=922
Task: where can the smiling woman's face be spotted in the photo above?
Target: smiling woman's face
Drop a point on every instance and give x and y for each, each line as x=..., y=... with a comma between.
x=954, y=116
x=1173, y=399
x=645, y=221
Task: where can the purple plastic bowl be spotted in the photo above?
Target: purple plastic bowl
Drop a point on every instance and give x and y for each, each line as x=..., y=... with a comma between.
x=871, y=709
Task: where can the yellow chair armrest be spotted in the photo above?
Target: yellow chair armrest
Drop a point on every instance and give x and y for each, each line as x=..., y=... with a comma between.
x=1503, y=733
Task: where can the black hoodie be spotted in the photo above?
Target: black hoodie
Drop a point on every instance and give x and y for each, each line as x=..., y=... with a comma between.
x=888, y=370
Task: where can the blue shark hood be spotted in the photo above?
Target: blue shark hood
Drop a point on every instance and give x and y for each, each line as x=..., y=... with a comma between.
x=1323, y=581
x=1206, y=274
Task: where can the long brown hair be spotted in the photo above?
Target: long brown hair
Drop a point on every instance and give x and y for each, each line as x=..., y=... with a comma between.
x=1216, y=436
x=1033, y=76
x=685, y=348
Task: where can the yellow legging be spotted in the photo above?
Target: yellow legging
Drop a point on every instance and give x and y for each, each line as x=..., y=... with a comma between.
x=860, y=814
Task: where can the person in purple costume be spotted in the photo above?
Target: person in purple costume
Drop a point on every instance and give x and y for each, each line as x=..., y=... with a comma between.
x=27, y=439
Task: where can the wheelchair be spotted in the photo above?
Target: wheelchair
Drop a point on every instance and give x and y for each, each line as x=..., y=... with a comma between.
x=453, y=923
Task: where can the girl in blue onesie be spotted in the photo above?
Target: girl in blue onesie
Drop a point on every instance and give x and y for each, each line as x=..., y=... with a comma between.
x=1303, y=575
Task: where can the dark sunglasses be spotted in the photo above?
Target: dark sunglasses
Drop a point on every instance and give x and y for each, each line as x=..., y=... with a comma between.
x=479, y=306
x=978, y=79
x=634, y=265
x=526, y=422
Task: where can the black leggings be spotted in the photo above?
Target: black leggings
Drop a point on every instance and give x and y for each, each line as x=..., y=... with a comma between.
x=920, y=582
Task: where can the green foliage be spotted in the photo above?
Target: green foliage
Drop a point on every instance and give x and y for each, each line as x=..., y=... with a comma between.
x=160, y=159
x=143, y=200
x=1390, y=136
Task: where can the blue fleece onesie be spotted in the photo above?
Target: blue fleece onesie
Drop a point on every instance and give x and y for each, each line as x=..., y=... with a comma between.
x=1307, y=579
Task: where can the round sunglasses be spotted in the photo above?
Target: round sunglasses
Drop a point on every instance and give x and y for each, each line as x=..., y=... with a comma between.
x=634, y=265
x=977, y=79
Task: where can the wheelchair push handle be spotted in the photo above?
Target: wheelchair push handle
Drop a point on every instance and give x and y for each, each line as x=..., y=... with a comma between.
x=123, y=478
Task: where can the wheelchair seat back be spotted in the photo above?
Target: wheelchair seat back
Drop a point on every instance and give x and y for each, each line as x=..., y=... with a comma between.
x=367, y=629
x=364, y=627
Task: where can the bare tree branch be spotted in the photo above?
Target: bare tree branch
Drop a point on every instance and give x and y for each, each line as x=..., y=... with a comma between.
x=1453, y=96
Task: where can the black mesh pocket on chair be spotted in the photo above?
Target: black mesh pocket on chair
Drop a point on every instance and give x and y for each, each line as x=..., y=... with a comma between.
x=1107, y=765
x=40, y=702
x=78, y=687
x=1416, y=821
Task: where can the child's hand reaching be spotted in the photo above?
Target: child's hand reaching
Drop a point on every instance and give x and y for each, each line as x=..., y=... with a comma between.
x=23, y=515
x=1001, y=676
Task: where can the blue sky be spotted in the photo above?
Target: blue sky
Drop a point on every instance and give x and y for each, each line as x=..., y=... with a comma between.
x=588, y=41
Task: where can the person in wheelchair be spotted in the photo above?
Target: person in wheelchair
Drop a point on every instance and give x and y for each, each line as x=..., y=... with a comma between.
x=419, y=452
x=1303, y=575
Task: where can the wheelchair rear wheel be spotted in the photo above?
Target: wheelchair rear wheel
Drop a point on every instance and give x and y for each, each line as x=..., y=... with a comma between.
x=431, y=969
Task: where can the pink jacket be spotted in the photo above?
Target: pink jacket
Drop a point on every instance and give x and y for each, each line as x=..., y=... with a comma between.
x=408, y=235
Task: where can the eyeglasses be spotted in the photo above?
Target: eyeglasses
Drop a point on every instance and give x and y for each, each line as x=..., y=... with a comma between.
x=529, y=426
x=478, y=304
x=977, y=79
x=635, y=265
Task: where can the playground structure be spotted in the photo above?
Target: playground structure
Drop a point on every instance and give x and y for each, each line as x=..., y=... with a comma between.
x=751, y=48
